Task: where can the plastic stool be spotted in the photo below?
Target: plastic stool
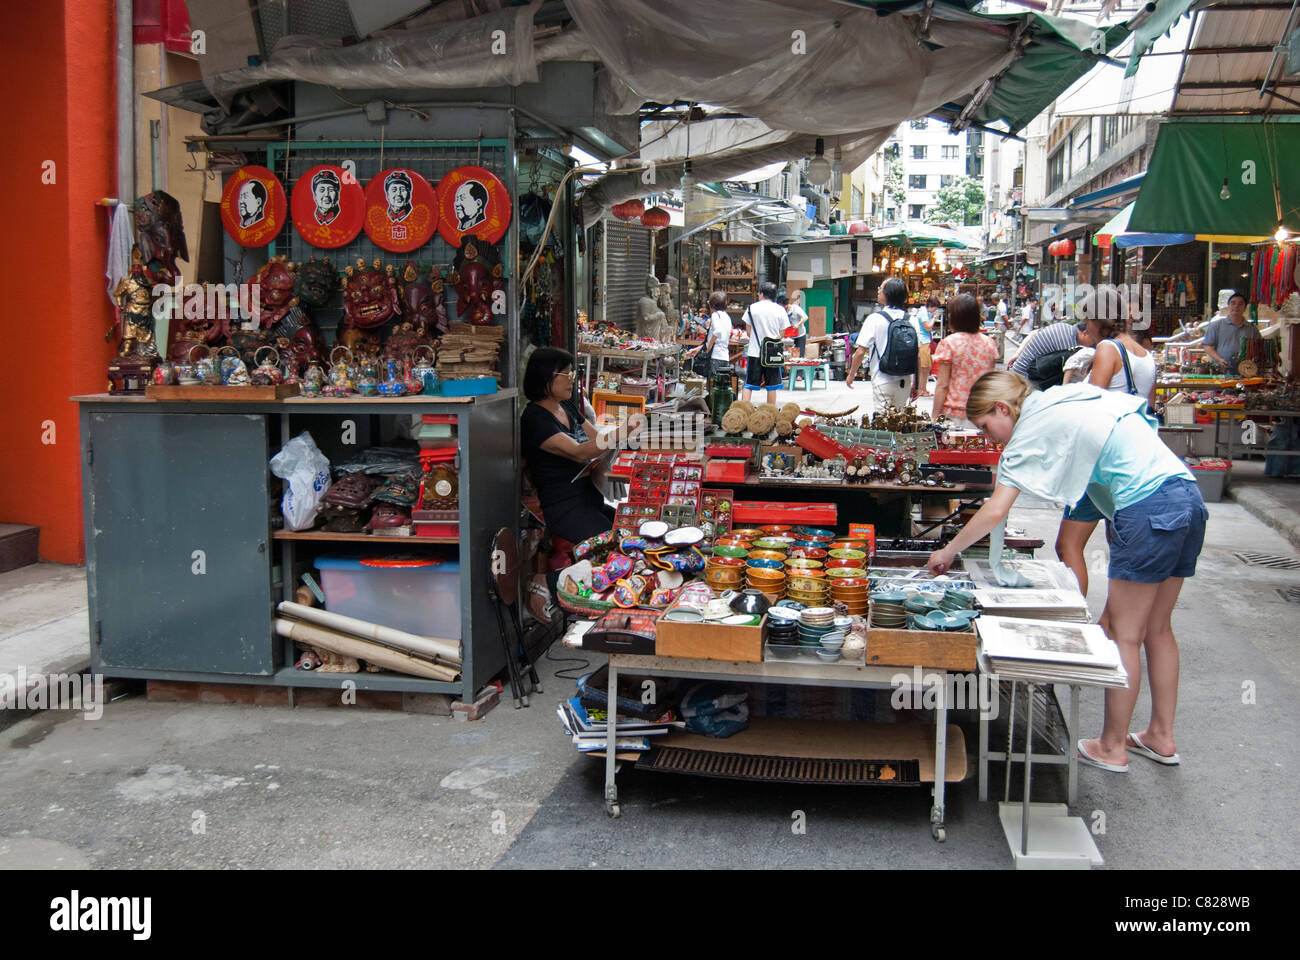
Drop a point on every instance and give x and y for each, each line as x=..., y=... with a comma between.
x=805, y=375
x=825, y=370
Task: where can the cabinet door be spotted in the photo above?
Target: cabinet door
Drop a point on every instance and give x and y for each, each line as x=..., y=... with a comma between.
x=178, y=553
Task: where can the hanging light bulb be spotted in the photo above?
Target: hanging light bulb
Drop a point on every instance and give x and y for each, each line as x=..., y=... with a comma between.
x=1225, y=193
x=1281, y=234
x=819, y=168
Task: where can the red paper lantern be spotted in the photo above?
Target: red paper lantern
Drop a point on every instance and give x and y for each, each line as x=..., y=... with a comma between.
x=628, y=209
x=1067, y=247
x=656, y=218
x=1051, y=249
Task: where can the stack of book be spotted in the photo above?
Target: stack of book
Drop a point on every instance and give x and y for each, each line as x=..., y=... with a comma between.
x=1035, y=604
x=1037, y=651
x=586, y=726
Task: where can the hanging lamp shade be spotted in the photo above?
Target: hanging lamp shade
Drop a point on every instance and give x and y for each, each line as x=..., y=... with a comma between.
x=656, y=218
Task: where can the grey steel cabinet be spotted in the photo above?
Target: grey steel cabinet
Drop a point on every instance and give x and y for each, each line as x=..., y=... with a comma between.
x=180, y=556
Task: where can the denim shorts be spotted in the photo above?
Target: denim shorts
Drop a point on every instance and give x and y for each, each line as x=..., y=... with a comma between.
x=1159, y=537
x=1085, y=511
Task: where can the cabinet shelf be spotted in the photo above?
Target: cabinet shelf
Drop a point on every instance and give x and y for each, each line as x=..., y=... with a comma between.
x=326, y=535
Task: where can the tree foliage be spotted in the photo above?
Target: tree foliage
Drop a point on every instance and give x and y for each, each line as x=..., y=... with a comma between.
x=894, y=182
x=961, y=203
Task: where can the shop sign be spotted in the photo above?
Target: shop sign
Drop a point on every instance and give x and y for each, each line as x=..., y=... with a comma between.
x=401, y=210
x=472, y=201
x=328, y=206
x=253, y=206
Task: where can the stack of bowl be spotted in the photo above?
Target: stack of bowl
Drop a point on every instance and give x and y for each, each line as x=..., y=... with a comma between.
x=954, y=599
x=783, y=632
x=810, y=591
x=724, y=573
x=815, y=623
x=844, y=543
x=776, y=529
x=918, y=609
x=771, y=582
x=802, y=550
x=887, y=610
x=852, y=592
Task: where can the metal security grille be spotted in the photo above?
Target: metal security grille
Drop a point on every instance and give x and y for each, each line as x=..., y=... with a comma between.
x=626, y=266
x=1269, y=560
x=740, y=766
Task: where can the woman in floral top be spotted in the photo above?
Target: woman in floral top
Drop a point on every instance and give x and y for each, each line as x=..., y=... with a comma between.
x=961, y=358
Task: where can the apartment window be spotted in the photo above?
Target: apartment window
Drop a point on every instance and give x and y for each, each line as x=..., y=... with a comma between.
x=916, y=181
x=921, y=124
x=1083, y=148
x=975, y=167
x=1108, y=135
x=1056, y=169
x=855, y=205
x=918, y=151
x=891, y=214
x=950, y=151
x=915, y=211
x=945, y=179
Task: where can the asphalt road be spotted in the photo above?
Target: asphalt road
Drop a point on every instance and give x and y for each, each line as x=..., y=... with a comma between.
x=197, y=785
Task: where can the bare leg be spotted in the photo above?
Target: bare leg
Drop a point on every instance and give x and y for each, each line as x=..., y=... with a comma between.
x=1162, y=669
x=1129, y=607
x=771, y=397
x=1071, y=538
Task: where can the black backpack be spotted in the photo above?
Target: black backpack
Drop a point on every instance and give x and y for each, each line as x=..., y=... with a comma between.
x=902, y=349
x=1048, y=369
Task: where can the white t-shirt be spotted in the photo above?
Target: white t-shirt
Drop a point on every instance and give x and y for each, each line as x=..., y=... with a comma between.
x=874, y=337
x=720, y=331
x=1002, y=308
x=1026, y=318
x=798, y=319
x=767, y=319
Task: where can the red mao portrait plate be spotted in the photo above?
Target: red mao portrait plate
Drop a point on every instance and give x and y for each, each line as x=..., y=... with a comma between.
x=253, y=206
x=401, y=210
x=474, y=202
x=328, y=206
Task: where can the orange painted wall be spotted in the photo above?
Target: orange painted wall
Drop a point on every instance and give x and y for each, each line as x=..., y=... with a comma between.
x=58, y=87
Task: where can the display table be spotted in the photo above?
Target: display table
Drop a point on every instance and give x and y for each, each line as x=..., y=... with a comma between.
x=1226, y=449
x=184, y=569
x=950, y=758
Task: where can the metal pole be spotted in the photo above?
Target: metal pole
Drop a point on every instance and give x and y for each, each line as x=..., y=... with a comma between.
x=1029, y=762
x=124, y=18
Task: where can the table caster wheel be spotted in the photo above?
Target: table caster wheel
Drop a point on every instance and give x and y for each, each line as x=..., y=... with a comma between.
x=614, y=810
x=938, y=832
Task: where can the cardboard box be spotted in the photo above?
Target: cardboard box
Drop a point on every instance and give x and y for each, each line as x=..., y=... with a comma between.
x=704, y=640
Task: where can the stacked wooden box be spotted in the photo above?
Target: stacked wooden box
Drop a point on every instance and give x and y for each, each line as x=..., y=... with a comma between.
x=468, y=351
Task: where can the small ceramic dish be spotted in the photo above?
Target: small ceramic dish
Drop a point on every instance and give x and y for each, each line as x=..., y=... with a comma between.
x=807, y=553
x=799, y=563
x=776, y=555
x=827, y=656
x=720, y=550
x=815, y=533
x=776, y=528
x=764, y=564
x=845, y=573
x=848, y=554
x=747, y=533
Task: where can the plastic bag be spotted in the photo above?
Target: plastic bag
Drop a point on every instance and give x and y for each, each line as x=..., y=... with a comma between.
x=307, y=472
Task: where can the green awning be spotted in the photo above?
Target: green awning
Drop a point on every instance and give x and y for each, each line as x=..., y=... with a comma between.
x=919, y=236
x=1182, y=192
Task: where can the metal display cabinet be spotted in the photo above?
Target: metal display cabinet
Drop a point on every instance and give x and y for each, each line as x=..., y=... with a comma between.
x=180, y=554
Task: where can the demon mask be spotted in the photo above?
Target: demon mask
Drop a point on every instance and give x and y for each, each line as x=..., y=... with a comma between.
x=275, y=292
x=315, y=282
x=369, y=295
x=160, y=235
x=476, y=276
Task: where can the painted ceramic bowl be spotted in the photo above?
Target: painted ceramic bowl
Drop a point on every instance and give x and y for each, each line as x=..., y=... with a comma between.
x=747, y=533
x=751, y=563
x=849, y=545
x=737, y=563
x=776, y=555
x=847, y=554
x=736, y=553
x=807, y=553
x=815, y=533
x=845, y=573
x=798, y=563
x=850, y=583
x=775, y=528
x=761, y=575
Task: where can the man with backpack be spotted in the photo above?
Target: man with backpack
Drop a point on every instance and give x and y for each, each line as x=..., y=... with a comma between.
x=765, y=354
x=1041, y=359
x=891, y=343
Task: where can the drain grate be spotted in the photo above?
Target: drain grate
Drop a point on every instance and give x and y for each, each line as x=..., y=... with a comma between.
x=1289, y=594
x=1269, y=560
x=740, y=766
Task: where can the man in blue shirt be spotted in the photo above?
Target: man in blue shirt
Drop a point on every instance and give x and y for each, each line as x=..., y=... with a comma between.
x=1223, y=336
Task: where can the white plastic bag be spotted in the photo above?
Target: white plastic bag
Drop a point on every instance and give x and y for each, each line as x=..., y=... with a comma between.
x=307, y=471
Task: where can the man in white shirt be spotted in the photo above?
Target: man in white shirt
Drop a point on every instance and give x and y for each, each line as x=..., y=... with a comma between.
x=766, y=321
x=873, y=339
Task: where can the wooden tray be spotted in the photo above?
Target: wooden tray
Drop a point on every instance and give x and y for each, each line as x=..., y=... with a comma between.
x=208, y=392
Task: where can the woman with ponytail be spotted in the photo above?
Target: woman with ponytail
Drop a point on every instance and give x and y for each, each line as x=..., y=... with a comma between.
x=1067, y=441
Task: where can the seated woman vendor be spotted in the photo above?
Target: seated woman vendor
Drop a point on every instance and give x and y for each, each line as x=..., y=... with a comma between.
x=557, y=440
x=1061, y=443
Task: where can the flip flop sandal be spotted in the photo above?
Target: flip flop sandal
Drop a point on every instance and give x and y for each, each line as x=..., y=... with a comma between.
x=1135, y=745
x=1101, y=764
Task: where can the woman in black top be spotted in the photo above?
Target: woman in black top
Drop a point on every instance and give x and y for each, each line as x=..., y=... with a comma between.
x=557, y=441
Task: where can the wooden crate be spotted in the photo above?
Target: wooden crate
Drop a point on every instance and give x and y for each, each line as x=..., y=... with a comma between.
x=925, y=648
x=203, y=391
